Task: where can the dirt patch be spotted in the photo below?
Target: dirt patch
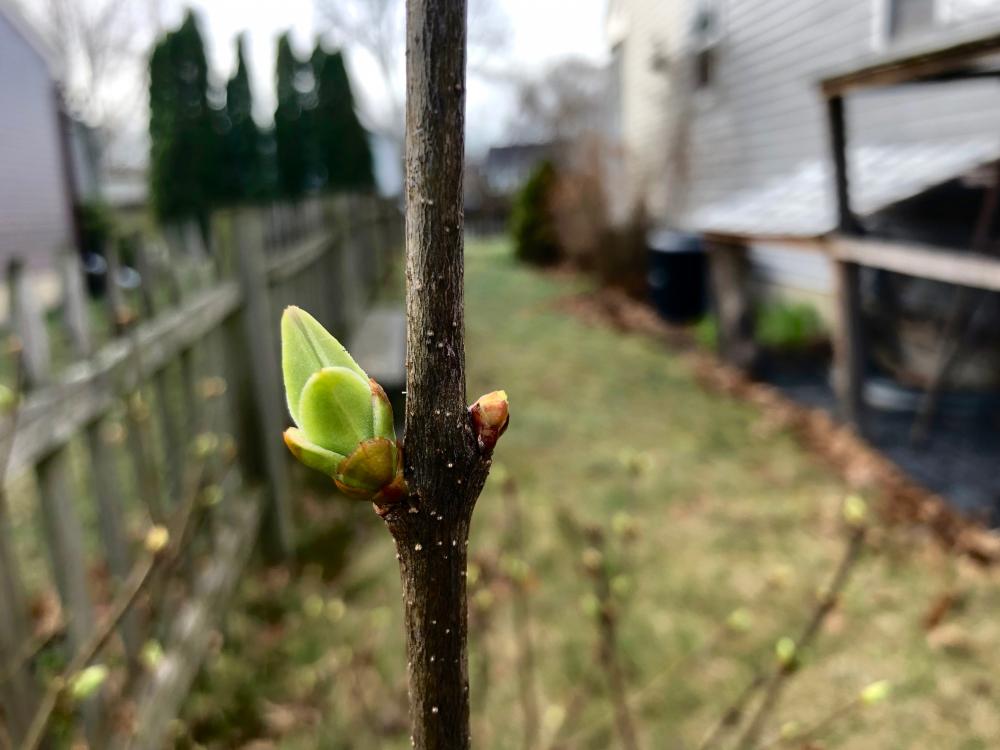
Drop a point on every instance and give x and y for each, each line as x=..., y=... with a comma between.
x=861, y=465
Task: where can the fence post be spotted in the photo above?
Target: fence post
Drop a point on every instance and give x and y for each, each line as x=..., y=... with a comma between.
x=849, y=345
x=259, y=328
x=137, y=413
x=173, y=448
x=60, y=521
x=349, y=267
x=729, y=267
x=18, y=690
x=103, y=466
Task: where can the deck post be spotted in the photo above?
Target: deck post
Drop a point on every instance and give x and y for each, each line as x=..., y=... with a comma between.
x=732, y=300
x=848, y=340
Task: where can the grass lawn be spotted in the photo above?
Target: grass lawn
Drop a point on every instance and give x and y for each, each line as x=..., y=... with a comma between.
x=707, y=509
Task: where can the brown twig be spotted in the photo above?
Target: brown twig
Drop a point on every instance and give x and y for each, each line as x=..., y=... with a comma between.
x=29, y=649
x=134, y=584
x=595, y=563
x=641, y=697
x=799, y=737
x=574, y=707
x=731, y=717
x=521, y=611
x=776, y=682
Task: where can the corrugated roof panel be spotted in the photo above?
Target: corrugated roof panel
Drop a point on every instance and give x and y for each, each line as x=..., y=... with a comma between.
x=800, y=202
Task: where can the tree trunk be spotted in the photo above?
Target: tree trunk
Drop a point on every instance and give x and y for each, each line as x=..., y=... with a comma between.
x=444, y=468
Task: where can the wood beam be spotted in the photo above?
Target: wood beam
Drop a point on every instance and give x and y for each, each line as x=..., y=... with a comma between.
x=926, y=61
x=922, y=261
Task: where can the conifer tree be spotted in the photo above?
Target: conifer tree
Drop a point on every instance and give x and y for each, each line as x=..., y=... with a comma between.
x=184, y=141
x=290, y=127
x=343, y=142
x=242, y=177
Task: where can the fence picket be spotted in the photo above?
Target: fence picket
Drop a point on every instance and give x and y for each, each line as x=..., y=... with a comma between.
x=137, y=412
x=259, y=330
x=172, y=443
x=101, y=454
x=60, y=521
x=213, y=325
x=18, y=690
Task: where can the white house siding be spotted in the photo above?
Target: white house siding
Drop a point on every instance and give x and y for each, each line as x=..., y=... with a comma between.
x=34, y=214
x=763, y=116
x=640, y=31
x=762, y=119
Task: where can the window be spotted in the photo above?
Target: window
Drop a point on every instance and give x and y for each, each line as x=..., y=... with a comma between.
x=706, y=32
x=910, y=17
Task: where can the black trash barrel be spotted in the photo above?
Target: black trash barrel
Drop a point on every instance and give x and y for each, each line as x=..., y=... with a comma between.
x=677, y=275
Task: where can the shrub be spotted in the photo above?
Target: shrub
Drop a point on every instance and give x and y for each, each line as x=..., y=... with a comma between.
x=788, y=325
x=588, y=237
x=706, y=332
x=532, y=222
x=97, y=226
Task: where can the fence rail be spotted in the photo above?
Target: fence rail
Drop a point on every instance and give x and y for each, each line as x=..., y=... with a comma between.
x=173, y=422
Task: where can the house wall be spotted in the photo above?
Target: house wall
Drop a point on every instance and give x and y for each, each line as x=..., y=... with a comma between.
x=761, y=116
x=34, y=214
x=641, y=32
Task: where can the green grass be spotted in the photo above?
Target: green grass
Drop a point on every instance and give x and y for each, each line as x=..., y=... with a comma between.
x=730, y=513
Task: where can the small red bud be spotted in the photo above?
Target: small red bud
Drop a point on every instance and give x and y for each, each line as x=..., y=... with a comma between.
x=490, y=417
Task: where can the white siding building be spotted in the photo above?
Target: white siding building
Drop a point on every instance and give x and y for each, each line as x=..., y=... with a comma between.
x=725, y=130
x=35, y=213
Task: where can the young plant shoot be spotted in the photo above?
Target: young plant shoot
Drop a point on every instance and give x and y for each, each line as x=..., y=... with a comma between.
x=344, y=423
x=344, y=419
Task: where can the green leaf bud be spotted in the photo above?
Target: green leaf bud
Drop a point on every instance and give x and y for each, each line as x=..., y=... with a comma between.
x=739, y=620
x=151, y=654
x=87, y=681
x=786, y=652
x=876, y=692
x=789, y=729
x=344, y=424
x=855, y=510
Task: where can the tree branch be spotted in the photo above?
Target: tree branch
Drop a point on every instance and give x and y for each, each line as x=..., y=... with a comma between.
x=444, y=467
x=776, y=682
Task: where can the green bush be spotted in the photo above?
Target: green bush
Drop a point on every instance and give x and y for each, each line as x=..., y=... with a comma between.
x=532, y=221
x=97, y=226
x=783, y=325
x=706, y=332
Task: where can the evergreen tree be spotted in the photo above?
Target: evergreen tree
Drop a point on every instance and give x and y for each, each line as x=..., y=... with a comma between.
x=290, y=127
x=532, y=222
x=184, y=142
x=343, y=146
x=242, y=174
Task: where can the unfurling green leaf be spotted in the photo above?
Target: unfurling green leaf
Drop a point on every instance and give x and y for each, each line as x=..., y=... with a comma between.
x=335, y=410
x=344, y=418
x=311, y=454
x=307, y=347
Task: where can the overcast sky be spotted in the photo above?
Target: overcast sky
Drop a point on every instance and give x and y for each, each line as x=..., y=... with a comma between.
x=540, y=31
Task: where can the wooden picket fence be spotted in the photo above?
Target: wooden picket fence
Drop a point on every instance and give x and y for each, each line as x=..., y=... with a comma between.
x=169, y=419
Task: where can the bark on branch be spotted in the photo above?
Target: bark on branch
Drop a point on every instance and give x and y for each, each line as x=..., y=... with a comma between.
x=444, y=467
